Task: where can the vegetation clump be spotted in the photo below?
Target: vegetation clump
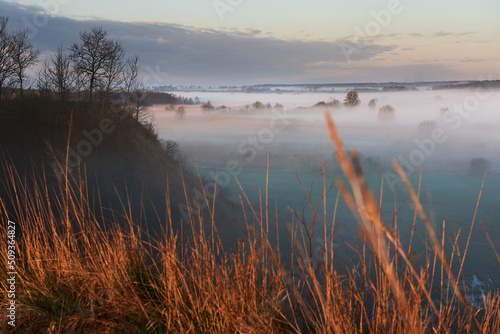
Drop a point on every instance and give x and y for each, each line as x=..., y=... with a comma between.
x=207, y=106
x=373, y=103
x=333, y=103
x=427, y=126
x=386, y=113
x=352, y=99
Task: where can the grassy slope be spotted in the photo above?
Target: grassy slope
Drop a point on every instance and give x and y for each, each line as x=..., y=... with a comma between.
x=129, y=164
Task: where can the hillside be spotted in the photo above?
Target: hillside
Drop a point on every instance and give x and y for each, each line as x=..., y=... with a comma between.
x=121, y=160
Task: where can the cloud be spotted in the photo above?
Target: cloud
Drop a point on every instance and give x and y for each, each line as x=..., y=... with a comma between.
x=192, y=53
x=466, y=33
x=447, y=33
x=442, y=34
x=472, y=60
x=404, y=73
x=177, y=54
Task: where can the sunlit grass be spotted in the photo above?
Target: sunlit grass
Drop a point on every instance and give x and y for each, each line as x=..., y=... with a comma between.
x=78, y=271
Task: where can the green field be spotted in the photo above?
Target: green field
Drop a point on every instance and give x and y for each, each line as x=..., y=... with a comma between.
x=445, y=197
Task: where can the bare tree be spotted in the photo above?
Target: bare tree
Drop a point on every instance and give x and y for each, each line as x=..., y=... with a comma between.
x=24, y=55
x=180, y=112
x=131, y=74
x=57, y=76
x=138, y=103
x=97, y=58
x=135, y=91
x=113, y=69
x=7, y=65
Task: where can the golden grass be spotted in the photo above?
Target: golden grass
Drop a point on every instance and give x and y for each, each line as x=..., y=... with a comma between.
x=76, y=275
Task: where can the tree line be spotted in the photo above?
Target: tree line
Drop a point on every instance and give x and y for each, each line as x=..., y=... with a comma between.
x=93, y=69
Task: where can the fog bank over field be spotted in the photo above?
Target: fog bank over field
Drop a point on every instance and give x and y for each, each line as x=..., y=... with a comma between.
x=446, y=130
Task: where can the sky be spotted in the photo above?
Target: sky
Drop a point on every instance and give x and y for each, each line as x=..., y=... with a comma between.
x=241, y=42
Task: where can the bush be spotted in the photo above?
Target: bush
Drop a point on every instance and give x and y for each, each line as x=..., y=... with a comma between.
x=444, y=111
x=373, y=103
x=207, y=106
x=320, y=104
x=258, y=105
x=386, y=113
x=180, y=112
x=333, y=103
x=427, y=126
x=352, y=99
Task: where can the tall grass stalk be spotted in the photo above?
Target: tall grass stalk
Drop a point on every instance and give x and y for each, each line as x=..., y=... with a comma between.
x=79, y=271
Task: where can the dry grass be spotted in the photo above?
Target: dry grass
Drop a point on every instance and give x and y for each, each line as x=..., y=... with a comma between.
x=77, y=276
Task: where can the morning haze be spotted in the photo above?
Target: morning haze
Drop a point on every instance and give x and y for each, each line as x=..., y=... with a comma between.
x=236, y=166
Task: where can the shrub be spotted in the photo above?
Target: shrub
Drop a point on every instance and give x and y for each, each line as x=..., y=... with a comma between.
x=427, y=126
x=258, y=105
x=352, y=99
x=386, y=113
x=320, y=104
x=444, y=111
x=373, y=103
x=207, y=106
x=333, y=103
x=180, y=112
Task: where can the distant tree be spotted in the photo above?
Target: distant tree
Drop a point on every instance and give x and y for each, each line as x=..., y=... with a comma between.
x=139, y=105
x=320, y=104
x=97, y=58
x=258, y=105
x=386, y=113
x=24, y=55
x=351, y=99
x=7, y=65
x=427, y=126
x=278, y=106
x=335, y=103
x=207, y=106
x=180, y=112
x=373, y=103
x=57, y=76
x=136, y=95
x=444, y=111
x=130, y=77
x=114, y=69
